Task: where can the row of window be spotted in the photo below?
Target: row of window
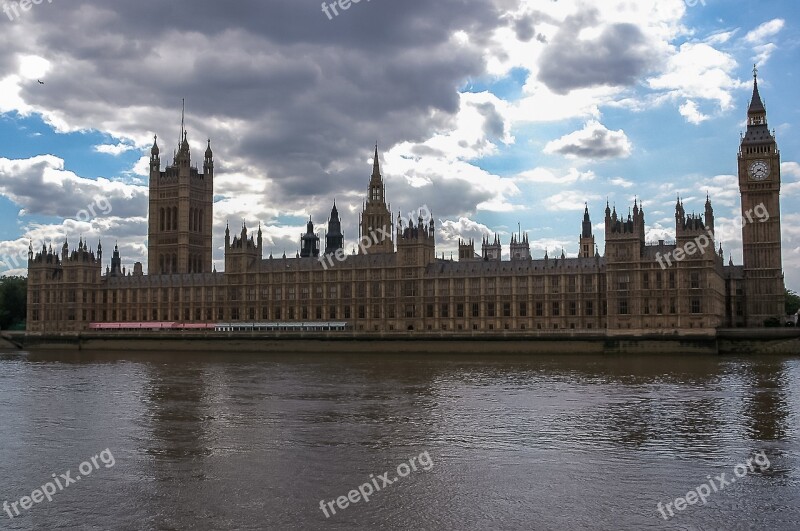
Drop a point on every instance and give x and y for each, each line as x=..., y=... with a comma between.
x=624, y=281
x=648, y=306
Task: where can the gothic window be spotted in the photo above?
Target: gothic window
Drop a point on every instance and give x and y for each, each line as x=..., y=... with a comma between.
x=162, y=219
x=174, y=218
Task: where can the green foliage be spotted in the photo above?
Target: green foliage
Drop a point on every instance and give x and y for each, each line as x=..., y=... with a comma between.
x=792, y=302
x=13, y=301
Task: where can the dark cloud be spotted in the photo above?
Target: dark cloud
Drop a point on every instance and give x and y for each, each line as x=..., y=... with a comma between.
x=616, y=57
x=523, y=27
x=494, y=124
x=592, y=142
x=282, y=90
x=41, y=187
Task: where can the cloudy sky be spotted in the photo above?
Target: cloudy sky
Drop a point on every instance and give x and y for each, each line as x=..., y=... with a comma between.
x=492, y=113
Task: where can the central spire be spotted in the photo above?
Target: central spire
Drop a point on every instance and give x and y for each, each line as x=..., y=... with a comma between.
x=376, y=165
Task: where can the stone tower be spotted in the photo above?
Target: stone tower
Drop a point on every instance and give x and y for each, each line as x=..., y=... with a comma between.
x=416, y=245
x=376, y=220
x=466, y=250
x=491, y=251
x=520, y=247
x=180, y=212
x=760, y=185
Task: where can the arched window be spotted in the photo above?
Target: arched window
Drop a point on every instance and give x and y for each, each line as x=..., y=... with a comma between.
x=162, y=219
x=161, y=259
x=191, y=219
x=169, y=218
x=200, y=221
x=174, y=218
x=174, y=263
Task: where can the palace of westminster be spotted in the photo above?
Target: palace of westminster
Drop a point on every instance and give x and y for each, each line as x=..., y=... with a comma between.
x=398, y=285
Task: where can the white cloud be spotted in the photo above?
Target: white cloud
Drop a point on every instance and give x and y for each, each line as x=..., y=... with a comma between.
x=691, y=112
x=697, y=71
x=568, y=200
x=790, y=187
x=619, y=181
x=765, y=31
x=462, y=228
x=550, y=176
x=594, y=141
x=114, y=149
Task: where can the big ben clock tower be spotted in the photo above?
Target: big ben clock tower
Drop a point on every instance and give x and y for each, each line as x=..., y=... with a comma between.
x=760, y=185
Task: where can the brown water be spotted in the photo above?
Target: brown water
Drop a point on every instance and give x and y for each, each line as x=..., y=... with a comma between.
x=221, y=441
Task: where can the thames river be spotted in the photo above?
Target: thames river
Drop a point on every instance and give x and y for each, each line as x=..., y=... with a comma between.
x=230, y=441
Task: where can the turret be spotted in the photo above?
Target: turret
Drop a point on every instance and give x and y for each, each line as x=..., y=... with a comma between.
x=208, y=163
x=709, y=215
x=334, y=239
x=155, y=159
x=309, y=242
x=586, y=242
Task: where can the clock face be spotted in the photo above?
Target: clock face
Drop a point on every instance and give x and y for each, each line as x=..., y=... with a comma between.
x=759, y=170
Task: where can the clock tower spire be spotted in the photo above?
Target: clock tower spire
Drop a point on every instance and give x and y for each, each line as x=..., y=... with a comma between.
x=760, y=186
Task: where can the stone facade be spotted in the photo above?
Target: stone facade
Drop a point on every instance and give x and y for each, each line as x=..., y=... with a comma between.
x=395, y=283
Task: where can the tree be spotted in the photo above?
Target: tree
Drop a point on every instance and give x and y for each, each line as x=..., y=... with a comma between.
x=792, y=302
x=13, y=301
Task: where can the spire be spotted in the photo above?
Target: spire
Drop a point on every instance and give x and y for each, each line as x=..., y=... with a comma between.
x=756, y=104
x=209, y=153
x=155, y=151
x=183, y=120
x=376, y=165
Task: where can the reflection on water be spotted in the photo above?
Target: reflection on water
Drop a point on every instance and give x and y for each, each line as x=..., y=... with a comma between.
x=221, y=441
